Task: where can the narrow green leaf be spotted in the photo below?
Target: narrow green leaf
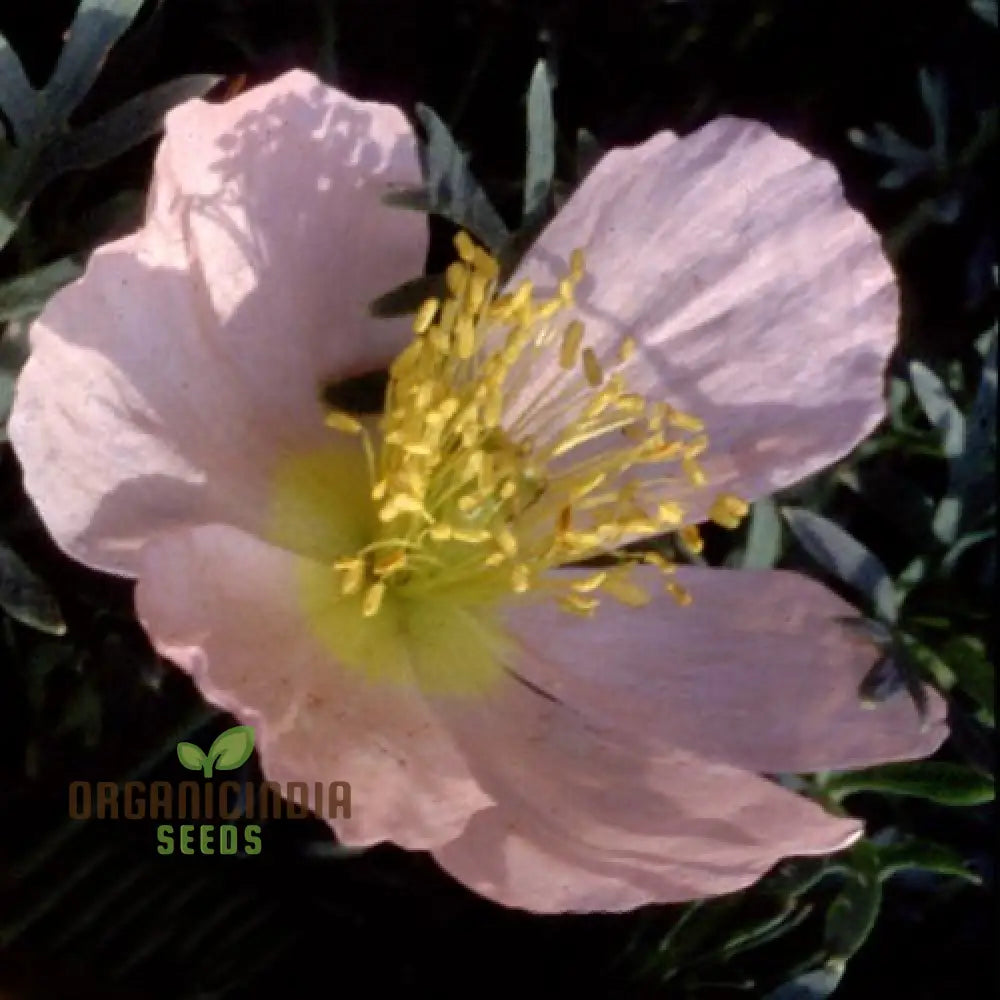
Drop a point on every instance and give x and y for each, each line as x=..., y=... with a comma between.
x=414, y=199
x=119, y=130
x=23, y=297
x=25, y=597
x=763, y=547
x=963, y=545
x=407, y=297
x=232, y=748
x=95, y=29
x=17, y=97
x=941, y=410
x=846, y=558
x=852, y=915
x=13, y=354
x=936, y=781
x=190, y=756
x=540, y=167
x=976, y=676
x=925, y=856
x=452, y=190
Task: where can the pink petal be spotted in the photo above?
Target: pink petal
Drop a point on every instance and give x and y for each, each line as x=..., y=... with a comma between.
x=588, y=819
x=760, y=300
x=756, y=673
x=226, y=608
x=166, y=382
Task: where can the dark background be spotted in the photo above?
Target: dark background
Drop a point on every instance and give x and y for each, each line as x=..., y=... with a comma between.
x=90, y=910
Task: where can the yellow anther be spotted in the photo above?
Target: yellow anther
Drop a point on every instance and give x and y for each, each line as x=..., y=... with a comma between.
x=587, y=486
x=694, y=472
x=566, y=291
x=456, y=277
x=465, y=337
x=340, y=421
x=638, y=525
x=577, y=264
x=465, y=247
x=425, y=315
x=485, y=264
x=658, y=560
x=669, y=513
x=579, y=605
x=662, y=452
x=590, y=583
x=353, y=574
x=507, y=542
x=471, y=536
x=683, y=421
x=592, y=368
x=691, y=537
x=728, y=510
x=520, y=578
x=440, y=532
x=476, y=292
x=373, y=600
x=680, y=594
x=626, y=591
x=626, y=350
x=572, y=337
x=696, y=446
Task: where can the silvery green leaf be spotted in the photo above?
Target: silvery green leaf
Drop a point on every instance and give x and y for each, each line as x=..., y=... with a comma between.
x=119, y=130
x=818, y=984
x=846, y=558
x=763, y=547
x=407, y=297
x=942, y=412
x=912, y=574
x=985, y=9
x=13, y=354
x=17, y=97
x=25, y=597
x=452, y=190
x=947, y=518
x=972, y=471
x=933, y=93
x=540, y=167
x=95, y=29
x=24, y=296
x=415, y=199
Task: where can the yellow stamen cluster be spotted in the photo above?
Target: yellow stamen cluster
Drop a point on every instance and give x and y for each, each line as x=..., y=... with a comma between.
x=508, y=448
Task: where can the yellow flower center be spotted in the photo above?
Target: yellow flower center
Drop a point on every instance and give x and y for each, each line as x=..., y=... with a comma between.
x=468, y=498
x=484, y=476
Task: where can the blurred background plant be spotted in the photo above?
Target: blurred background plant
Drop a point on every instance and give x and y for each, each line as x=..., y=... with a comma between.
x=515, y=100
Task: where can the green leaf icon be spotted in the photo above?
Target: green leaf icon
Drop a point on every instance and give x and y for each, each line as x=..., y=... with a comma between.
x=231, y=749
x=190, y=756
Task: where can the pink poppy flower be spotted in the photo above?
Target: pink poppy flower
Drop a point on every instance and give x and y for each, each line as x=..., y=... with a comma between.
x=382, y=599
